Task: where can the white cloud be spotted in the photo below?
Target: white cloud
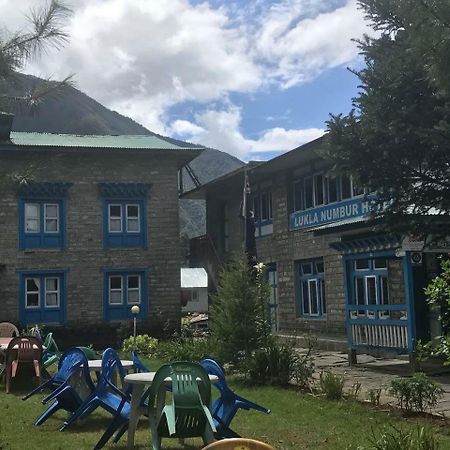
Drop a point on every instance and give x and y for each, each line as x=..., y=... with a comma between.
x=221, y=129
x=298, y=42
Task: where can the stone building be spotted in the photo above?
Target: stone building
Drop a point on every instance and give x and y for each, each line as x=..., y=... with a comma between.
x=89, y=227
x=333, y=273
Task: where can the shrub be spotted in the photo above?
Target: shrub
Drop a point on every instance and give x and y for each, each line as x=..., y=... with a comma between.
x=279, y=363
x=417, y=393
x=393, y=438
x=374, y=396
x=331, y=385
x=185, y=349
x=143, y=344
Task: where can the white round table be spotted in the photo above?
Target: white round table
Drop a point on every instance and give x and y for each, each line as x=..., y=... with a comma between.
x=95, y=365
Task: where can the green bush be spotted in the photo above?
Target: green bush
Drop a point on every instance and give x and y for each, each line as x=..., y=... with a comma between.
x=397, y=439
x=185, y=349
x=331, y=385
x=417, y=393
x=143, y=344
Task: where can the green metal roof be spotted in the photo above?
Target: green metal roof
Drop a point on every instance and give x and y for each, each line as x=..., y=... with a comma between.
x=128, y=142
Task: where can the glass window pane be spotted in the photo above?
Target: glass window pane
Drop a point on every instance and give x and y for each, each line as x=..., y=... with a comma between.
x=371, y=285
x=322, y=296
x=313, y=296
x=307, y=269
x=51, y=211
x=32, y=284
x=133, y=225
x=32, y=225
x=31, y=210
x=51, y=225
x=115, y=225
x=115, y=282
x=270, y=205
x=298, y=192
x=256, y=207
x=384, y=290
x=305, y=297
x=133, y=296
x=380, y=263
x=309, y=200
x=318, y=190
x=362, y=264
x=332, y=189
x=51, y=284
x=133, y=281
x=359, y=291
x=319, y=267
x=264, y=207
x=357, y=189
x=32, y=300
x=51, y=299
x=115, y=211
x=115, y=297
x=346, y=191
x=132, y=211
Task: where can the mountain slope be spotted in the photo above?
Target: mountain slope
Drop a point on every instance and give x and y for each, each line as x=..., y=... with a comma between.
x=76, y=113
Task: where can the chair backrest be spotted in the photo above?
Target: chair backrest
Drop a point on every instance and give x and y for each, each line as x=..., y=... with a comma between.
x=8, y=329
x=139, y=366
x=190, y=379
x=238, y=444
x=71, y=361
x=110, y=363
x=214, y=368
x=50, y=345
x=89, y=352
x=28, y=348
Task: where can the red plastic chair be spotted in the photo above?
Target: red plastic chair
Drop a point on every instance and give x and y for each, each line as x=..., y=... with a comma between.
x=8, y=329
x=21, y=351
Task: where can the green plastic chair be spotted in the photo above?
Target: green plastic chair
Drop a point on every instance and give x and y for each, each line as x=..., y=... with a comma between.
x=90, y=353
x=188, y=414
x=51, y=353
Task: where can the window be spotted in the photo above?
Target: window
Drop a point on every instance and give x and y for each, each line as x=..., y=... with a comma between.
x=312, y=301
x=123, y=289
x=370, y=281
x=124, y=214
x=42, y=215
x=262, y=207
x=42, y=297
x=125, y=224
x=40, y=224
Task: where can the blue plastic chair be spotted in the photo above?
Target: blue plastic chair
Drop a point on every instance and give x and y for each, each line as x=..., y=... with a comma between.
x=106, y=394
x=71, y=384
x=68, y=364
x=121, y=418
x=228, y=403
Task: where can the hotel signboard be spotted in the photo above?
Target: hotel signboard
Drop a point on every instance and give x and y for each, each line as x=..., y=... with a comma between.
x=334, y=212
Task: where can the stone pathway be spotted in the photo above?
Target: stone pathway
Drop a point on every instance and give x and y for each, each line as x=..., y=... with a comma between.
x=375, y=373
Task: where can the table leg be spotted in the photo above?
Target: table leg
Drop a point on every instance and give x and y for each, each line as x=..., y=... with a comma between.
x=136, y=394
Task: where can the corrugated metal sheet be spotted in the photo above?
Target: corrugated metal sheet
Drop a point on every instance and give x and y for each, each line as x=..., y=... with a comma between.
x=340, y=223
x=90, y=141
x=194, y=277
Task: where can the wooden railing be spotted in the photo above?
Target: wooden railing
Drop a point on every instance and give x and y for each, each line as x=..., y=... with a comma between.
x=378, y=326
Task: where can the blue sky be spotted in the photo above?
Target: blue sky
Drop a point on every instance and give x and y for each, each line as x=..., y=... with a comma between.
x=252, y=78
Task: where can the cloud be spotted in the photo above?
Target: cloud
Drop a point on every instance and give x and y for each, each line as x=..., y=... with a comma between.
x=221, y=129
x=299, y=40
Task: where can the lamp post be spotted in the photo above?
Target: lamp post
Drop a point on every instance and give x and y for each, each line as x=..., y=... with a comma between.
x=135, y=310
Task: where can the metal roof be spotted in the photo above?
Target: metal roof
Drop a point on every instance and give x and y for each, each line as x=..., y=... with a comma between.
x=193, y=277
x=128, y=142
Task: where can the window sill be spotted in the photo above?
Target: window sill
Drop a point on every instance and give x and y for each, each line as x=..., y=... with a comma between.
x=42, y=250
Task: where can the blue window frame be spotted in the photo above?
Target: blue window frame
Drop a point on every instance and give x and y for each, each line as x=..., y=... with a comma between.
x=124, y=288
x=369, y=281
x=311, y=288
x=124, y=214
x=42, y=297
x=42, y=215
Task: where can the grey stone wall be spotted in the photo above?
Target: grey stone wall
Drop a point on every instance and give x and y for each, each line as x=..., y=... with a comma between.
x=84, y=256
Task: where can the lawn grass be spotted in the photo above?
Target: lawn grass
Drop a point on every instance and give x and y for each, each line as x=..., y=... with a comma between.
x=298, y=421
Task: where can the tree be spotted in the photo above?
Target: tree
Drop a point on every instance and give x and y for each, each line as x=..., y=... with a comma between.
x=235, y=316
x=16, y=48
x=397, y=140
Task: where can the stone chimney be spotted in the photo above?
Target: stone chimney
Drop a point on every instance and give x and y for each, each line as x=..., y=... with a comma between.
x=6, y=121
